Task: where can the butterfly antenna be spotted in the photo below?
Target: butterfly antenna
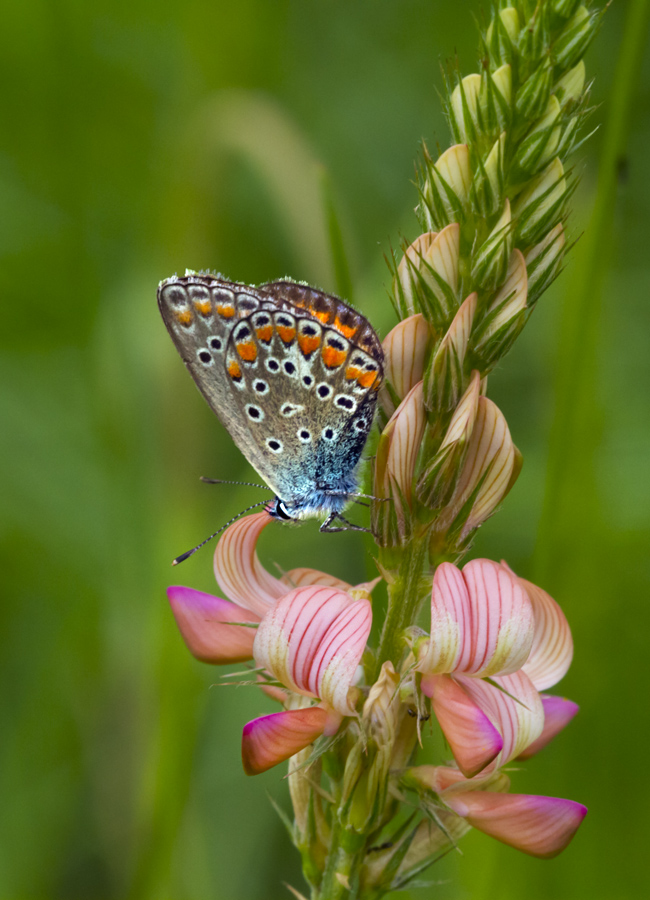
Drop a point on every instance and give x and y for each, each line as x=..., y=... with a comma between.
x=184, y=556
x=262, y=487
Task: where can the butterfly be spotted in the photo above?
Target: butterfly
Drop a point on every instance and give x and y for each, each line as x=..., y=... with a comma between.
x=292, y=373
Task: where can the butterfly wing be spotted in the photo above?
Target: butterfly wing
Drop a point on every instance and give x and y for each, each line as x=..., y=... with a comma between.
x=292, y=373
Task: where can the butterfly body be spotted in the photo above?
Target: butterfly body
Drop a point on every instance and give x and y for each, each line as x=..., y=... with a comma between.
x=293, y=375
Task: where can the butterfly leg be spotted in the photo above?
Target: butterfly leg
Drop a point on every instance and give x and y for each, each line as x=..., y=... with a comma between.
x=328, y=528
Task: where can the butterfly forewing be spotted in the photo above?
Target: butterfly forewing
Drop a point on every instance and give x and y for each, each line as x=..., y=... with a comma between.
x=291, y=372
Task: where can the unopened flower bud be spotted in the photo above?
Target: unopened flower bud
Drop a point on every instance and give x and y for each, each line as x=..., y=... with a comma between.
x=576, y=36
x=565, y=8
x=486, y=476
x=490, y=265
x=447, y=187
x=541, y=143
x=533, y=95
x=397, y=454
x=543, y=263
x=463, y=108
x=427, y=276
x=300, y=789
x=505, y=315
x=444, y=380
x=502, y=34
x=440, y=475
x=405, y=351
x=570, y=87
x=494, y=99
x=489, y=185
x=540, y=206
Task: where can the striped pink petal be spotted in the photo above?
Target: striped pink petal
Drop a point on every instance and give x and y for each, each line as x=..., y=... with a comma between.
x=540, y=826
x=514, y=707
x=312, y=642
x=552, y=650
x=473, y=739
x=203, y=622
x=490, y=463
x=405, y=350
x=270, y=740
x=238, y=570
x=558, y=712
x=481, y=621
x=303, y=577
x=406, y=428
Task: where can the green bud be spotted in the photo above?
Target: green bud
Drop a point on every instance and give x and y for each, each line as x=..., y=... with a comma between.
x=444, y=379
x=535, y=36
x=490, y=264
x=494, y=99
x=543, y=263
x=533, y=95
x=565, y=8
x=489, y=183
x=540, y=144
x=446, y=188
x=463, y=108
x=576, y=36
x=570, y=87
x=540, y=206
x=501, y=37
x=503, y=316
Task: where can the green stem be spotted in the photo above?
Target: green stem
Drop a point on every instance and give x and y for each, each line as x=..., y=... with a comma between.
x=340, y=869
x=405, y=596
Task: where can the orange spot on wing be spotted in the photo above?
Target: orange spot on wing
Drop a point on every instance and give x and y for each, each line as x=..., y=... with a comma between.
x=368, y=379
x=352, y=373
x=332, y=357
x=346, y=330
x=233, y=369
x=184, y=316
x=247, y=350
x=203, y=306
x=265, y=333
x=322, y=315
x=287, y=333
x=227, y=310
x=308, y=342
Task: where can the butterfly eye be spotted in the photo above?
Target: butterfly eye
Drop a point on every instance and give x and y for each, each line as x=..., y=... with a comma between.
x=281, y=510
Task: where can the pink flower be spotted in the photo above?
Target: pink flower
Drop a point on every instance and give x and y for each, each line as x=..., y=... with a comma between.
x=307, y=630
x=540, y=826
x=311, y=642
x=205, y=621
x=487, y=622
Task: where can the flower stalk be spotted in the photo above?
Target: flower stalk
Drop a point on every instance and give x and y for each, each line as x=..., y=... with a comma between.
x=492, y=211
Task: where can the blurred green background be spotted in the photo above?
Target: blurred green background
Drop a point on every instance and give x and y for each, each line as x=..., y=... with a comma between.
x=140, y=138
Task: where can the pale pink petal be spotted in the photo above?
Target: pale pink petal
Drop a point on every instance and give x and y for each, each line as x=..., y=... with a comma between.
x=406, y=432
x=514, y=707
x=405, y=350
x=473, y=739
x=408, y=266
x=436, y=778
x=500, y=622
x=558, y=712
x=312, y=642
x=304, y=577
x=270, y=740
x=238, y=570
x=540, y=826
x=490, y=463
x=203, y=622
x=552, y=650
x=481, y=621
